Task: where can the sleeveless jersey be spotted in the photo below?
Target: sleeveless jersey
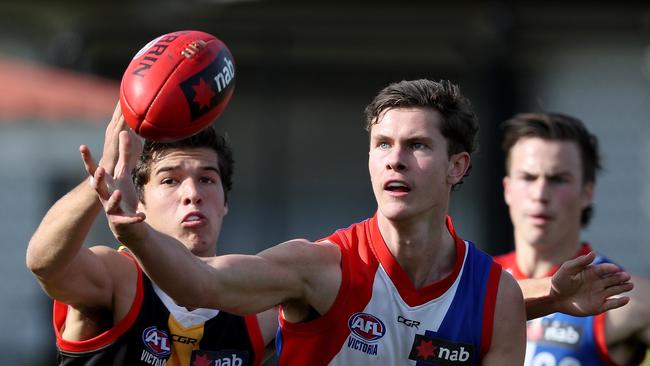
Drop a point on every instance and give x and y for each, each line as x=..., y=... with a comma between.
x=563, y=340
x=151, y=334
x=380, y=318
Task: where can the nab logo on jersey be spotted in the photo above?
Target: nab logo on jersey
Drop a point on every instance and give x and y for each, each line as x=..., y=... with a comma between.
x=226, y=357
x=366, y=327
x=156, y=341
x=557, y=332
x=435, y=351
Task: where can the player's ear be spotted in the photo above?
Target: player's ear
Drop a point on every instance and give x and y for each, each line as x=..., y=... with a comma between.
x=225, y=208
x=587, y=194
x=506, y=189
x=458, y=165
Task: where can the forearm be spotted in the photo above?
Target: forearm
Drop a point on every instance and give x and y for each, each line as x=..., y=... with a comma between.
x=166, y=261
x=62, y=231
x=538, y=297
x=239, y=284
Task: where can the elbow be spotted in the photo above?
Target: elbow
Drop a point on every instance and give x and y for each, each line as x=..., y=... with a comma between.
x=39, y=261
x=35, y=263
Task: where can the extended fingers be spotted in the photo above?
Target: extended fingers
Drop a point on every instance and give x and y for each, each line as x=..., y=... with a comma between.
x=125, y=148
x=607, y=269
x=117, y=214
x=88, y=160
x=617, y=289
x=576, y=265
x=98, y=183
x=614, y=303
x=112, y=205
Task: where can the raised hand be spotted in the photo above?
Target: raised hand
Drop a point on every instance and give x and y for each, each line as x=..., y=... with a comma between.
x=117, y=192
x=581, y=289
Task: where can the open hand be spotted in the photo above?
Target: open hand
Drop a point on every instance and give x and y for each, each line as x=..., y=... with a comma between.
x=582, y=289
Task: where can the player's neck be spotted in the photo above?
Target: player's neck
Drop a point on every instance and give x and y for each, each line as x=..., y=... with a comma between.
x=540, y=259
x=424, y=248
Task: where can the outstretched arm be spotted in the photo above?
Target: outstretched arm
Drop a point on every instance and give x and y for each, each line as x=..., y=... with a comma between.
x=66, y=269
x=242, y=284
x=577, y=288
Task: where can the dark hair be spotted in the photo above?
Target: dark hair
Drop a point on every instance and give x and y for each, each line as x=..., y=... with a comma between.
x=556, y=126
x=459, y=123
x=208, y=138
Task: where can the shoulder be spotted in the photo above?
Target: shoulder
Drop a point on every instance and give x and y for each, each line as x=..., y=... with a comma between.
x=120, y=267
x=115, y=260
x=509, y=294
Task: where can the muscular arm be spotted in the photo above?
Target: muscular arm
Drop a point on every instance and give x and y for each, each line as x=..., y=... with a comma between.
x=55, y=253
x=509, y=331
x=66, y=269
x=240, y=284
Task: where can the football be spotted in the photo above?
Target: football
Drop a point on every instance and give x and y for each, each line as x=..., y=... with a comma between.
x=176, y=85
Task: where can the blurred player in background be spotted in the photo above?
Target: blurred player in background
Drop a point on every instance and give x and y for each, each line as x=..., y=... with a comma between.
x=552, y=162
x=106, y=310
x=399, y=288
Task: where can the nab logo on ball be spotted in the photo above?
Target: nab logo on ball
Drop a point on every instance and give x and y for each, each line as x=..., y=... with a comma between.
x=209, y=86
x=156, y=341
x=177, y=85
x=367, y=327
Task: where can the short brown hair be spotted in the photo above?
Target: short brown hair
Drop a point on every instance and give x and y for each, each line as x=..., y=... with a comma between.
x=459, y=124
x=208, y=138
x=556, y=126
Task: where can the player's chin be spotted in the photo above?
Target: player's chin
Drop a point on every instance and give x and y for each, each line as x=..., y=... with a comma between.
x=397, y=211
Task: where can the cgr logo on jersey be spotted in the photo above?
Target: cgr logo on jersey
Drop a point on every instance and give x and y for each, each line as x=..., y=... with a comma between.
x=555, y=332
x=366, y=330
x=157, y=342
x=439, y=352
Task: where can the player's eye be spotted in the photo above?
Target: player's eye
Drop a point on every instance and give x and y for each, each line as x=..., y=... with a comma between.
x=208, y=180
x=167, y=181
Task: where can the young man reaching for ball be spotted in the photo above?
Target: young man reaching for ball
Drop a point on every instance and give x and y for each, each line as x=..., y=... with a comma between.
x=106, y=310
x=399, y=288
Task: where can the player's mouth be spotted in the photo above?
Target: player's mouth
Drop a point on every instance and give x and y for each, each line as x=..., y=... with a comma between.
x=540, y=218
x=397, y=187
x=194, y=219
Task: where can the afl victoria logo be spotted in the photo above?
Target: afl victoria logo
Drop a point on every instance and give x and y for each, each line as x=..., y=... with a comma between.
x=366, y=327
x=157, y=341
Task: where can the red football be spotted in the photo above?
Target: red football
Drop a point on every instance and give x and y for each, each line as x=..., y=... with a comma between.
x=177, y=85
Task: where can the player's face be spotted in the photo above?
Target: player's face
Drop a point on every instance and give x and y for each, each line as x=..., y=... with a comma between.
x=410, y=170
x=184, y=198
x=545, y=192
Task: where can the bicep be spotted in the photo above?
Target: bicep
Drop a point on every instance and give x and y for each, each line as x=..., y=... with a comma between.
x=247, y=284
x=509, y=332
x=90, y=279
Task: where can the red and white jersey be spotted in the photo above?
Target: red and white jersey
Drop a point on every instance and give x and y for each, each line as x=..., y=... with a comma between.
x=380, y=318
